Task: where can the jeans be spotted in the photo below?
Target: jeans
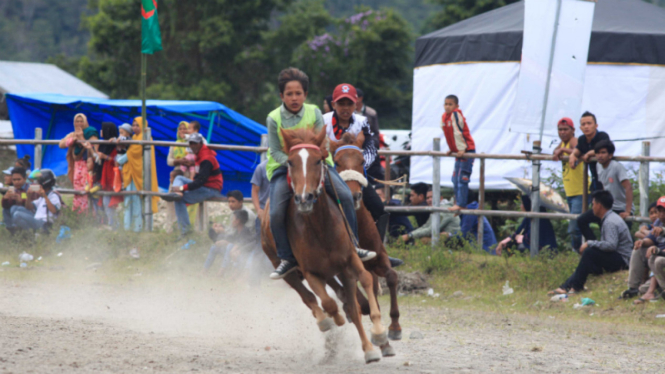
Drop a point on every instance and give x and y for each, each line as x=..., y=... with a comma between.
x=575, y=206
x=190, y=197
x=217, y=250
x=111, y=217
x=461, y=178
x=280, y=197
x=594, y=261
x=133, y=210
x=18, y=217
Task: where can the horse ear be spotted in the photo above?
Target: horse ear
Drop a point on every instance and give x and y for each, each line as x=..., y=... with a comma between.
x=360, y=139
x=287, y=140
x=320, y=140
x=333, y=145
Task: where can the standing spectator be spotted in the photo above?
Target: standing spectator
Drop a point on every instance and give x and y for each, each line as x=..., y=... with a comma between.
x=449, y=224
x=573, y=179
x=459, y=140
x=106, y=171
x=639, y=259
x=609, y=254
x=177, y=155
x=44, y=202
x=470, y=229
x=15, y=198
x=521, y=239
x=370, y=114
x=77, y=158
x=586, y=145
x=207, y=182
x=613, y=177
x=132, y=172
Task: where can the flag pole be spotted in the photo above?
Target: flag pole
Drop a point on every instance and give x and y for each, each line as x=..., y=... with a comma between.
x=147, y=171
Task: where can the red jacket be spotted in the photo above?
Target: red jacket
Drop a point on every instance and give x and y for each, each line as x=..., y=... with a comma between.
x=209, y=175
x=457, y=132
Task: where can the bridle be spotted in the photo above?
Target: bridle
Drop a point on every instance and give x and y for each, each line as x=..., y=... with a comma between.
x=352, y=175
x=288, y=176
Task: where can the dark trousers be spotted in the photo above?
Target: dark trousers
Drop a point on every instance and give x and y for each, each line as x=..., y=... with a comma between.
x=377, y=172
x=596, y=262
x=587, y=218
x=373, y=202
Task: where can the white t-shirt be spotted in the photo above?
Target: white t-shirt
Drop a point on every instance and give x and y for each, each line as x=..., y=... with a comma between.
x=41, y=210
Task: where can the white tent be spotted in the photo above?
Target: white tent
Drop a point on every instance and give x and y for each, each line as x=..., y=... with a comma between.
x=478, y=60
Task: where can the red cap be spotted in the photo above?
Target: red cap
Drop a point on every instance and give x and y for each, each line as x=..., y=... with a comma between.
x=661, y=202
x=566, y=121
x=345, y=91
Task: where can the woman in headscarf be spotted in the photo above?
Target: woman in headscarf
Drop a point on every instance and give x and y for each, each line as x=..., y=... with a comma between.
x=77, y=156
x=521, y=239
x=132, y=173
x=105, y=171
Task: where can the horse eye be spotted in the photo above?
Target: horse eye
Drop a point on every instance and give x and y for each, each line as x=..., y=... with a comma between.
x=290, y=163
x=318, y=162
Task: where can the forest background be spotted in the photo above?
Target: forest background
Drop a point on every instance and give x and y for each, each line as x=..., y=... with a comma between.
x=230, y=51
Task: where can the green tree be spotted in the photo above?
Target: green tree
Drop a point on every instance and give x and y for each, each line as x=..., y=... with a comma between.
x=457, y=10
x=371, y=50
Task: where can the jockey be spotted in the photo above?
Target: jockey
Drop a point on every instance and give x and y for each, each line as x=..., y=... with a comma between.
x=295, y=114
x=342, y=120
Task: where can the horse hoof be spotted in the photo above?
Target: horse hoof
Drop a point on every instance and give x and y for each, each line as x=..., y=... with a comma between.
x=388, y=351
x=395, y=335
x=372, y=356
x=379, y=339
x=326, y=324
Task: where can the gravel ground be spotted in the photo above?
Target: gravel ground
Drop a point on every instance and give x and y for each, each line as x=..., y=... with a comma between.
x=176, y=326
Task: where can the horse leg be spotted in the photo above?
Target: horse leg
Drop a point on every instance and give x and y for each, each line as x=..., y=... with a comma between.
x=364, y=304
x=309, y=299
x=395, y=330
x=348, y=278
x=318, y=285
x=378, y=331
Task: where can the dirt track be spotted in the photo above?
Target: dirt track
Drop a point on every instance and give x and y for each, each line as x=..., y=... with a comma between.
x=174, y=327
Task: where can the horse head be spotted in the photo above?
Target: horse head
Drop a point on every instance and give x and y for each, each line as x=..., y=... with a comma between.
x=307, y=154
x=349, y=161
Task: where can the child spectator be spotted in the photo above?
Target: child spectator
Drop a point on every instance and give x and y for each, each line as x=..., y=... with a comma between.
x=613, y=177
x=41, y=206
x=639, y=259
x=646, y=228
x=609, y=254
x=15, y=198
x=24, y=162
x=573, y=179
x=241, y=242
x=470, y=229
x=7, y=174
x=459, y=140
x=521, y=239
x=585, y=149
x=418, y=197
x=178, y=154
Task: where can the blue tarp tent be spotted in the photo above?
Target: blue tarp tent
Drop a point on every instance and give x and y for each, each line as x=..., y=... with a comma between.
x=221, y=125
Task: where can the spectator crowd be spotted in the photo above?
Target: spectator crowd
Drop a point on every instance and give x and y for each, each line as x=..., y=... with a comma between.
x=31, y=202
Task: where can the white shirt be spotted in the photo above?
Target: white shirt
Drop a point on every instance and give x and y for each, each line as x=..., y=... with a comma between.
x=41, y=209
x=358, y=124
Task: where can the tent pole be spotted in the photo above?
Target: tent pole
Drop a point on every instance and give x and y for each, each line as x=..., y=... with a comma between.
x=210, y=125
x=147, y=200
x=549, y=71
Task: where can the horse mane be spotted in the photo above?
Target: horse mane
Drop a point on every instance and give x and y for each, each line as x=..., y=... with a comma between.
x=347, y=138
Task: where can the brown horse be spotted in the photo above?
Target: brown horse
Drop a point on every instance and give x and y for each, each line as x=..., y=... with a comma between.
x=320, y=241
x=349, y=159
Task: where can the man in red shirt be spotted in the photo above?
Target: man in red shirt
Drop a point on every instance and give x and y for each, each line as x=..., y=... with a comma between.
x=459, y=141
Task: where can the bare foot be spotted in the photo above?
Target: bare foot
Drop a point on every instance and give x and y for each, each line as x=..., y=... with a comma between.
x=645, y=298
x=558, y=291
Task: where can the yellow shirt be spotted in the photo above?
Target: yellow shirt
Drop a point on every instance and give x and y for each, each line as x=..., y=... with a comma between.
x=573, y=179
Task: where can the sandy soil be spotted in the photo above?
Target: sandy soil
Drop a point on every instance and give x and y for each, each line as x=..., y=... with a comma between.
x=175, y=326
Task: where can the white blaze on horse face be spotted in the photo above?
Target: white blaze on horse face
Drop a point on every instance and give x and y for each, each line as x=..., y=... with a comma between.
x=304, y=155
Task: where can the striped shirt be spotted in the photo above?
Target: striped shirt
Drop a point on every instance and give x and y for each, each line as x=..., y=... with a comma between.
x=357, y=124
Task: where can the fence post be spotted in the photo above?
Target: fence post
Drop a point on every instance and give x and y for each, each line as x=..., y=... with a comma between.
x=38, y=148
x=436, y=192
x=264, y=143
x=481, y=203
x=644, y=180
x=386, y=177
x=147, y=183
x=535, y=200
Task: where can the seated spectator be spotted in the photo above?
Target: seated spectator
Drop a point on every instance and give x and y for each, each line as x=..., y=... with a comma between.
x=645, y=228
x=15, y=199
x=42, y=206
x=639, y=259
x=177, y=155
x=521, y=239
x=207, y=183
x=397, y=224
x=220, y=233
x=614, y=179
x=469, y=229
x=609, y=254
x=24, y=162
x=418, y=197
x=449, y=224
